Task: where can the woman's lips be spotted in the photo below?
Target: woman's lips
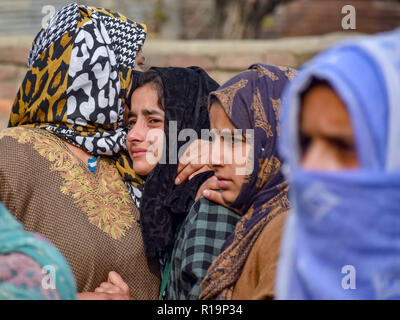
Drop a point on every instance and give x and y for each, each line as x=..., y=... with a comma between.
x=223, y=183
x=138, y=152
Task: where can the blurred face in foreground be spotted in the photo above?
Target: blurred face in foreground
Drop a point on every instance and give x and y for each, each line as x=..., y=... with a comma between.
x=226, y=145
x=326, y=134
x=146, y=129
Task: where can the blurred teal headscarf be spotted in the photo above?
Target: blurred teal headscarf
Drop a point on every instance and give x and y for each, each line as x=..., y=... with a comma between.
x=342, y=240
x=25, y=259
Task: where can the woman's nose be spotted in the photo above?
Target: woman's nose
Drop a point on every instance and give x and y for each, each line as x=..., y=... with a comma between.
x=320, y=156
x=217, y=153
x=136, y=132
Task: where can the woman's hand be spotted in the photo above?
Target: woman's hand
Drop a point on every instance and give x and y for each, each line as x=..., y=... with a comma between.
x=100, y=296
x=209, y=191
x=209, y=184
x=115, y=288
x=195, y=160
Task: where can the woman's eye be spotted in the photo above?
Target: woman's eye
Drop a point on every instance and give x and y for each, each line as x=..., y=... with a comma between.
x=305, y=142
x=342, y=145
x=154, y=121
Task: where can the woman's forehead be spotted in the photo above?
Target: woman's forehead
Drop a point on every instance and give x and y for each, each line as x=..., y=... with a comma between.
x=323, y=110
x=218, y=117
x=145, y=97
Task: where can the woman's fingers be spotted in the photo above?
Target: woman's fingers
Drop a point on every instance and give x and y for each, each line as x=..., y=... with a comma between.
x=214, y=196
x=108, y=286
x=99, y=290
x=190, y=170
x=210, y=183
x=194, y=161
x=185, y=160
x=93, y=296
x=201, y=170
x=115, y=279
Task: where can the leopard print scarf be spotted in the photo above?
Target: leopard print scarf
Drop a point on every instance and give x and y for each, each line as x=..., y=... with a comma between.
x=79, y=71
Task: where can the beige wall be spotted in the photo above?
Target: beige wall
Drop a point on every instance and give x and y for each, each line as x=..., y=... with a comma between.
x=221, y=58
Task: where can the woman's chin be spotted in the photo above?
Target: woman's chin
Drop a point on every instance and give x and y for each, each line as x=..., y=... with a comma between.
x=229, y=196
x=142, y=169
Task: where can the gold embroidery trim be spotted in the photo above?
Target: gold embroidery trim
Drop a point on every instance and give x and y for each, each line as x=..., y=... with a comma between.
x=227, y=95
x=268, y=169
x=260, y=118
x=102, y=200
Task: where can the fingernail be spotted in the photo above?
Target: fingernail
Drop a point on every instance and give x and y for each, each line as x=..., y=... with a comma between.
x=177, y=180
x=206, y=193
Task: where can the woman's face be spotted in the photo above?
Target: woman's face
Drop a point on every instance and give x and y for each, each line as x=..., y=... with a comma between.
x=139, y=66
x=326, y=134
x=139, y=61
x=224, y=160
x=146, y=129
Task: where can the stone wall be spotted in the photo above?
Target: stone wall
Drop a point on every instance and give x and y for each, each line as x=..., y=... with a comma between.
x=315, y=17
x=221, y=58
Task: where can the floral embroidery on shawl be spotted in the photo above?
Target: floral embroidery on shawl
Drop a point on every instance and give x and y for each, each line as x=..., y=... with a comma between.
x=227, y=95
x=290, y=73
x=260, y=118
x=276, y=103
x=269, y=168
x=262, y=71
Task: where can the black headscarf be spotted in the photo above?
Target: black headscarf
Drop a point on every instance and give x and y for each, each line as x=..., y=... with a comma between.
x=165, y=205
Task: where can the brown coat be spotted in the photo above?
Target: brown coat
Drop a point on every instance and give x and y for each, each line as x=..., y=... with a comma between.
x=257, y=280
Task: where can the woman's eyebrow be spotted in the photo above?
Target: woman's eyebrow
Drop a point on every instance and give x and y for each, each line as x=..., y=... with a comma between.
x=131, y=114
x=145, y=112
x=149, y=112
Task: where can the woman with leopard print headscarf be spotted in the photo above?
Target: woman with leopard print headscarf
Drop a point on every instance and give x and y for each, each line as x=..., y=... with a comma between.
x=60, y=156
